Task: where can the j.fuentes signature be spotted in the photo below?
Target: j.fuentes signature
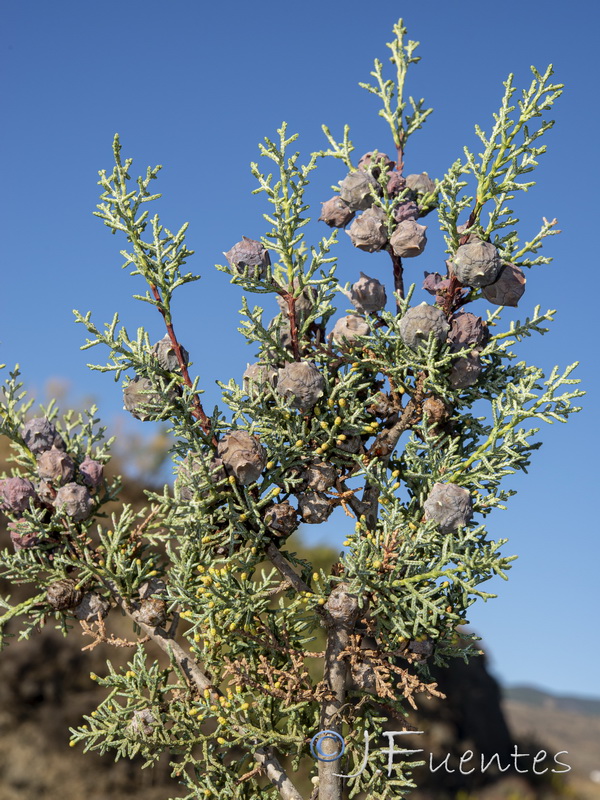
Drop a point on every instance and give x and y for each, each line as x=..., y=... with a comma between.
x=464, y=762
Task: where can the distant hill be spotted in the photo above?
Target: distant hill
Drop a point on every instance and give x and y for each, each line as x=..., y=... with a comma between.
x=529, y=695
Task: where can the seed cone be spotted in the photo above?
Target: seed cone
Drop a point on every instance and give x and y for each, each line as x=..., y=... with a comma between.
x=63, y=594
x=249, y=255
x=243, y=456
x=419, y=322
x=449, y=505
x=346, y=330
x=476, y=263
x=508, y=287
x=74, y=500
x=39, y=434
x=409, y=239
x=336, y=213
x=301, y=383
x=367, y=295
x=369, y=231
x=355, y=190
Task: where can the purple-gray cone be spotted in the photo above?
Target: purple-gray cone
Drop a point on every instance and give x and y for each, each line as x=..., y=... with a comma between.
x=409, y=239
x=243, y=456
x=92, y=472
x=420, y=183
x=55, y=465
x=142, y=400
x=92, y=608
x=153, y=612
x=477, y=263
x=21, y=535
x=320, y=476
x=250, y=255
x=374, y=162
x=63, y=594
x=282, y=518
x=419, y=322
x=508, y=287
x=39, y=434
x=257, y=377
x=346, y=330
x=467, y=329
x=314, y=507
x=367, y=295
x=166, y=355
x=355, y=190
x=336, y=213
x=465, y=371
x=74, y=500
x=304, y=302
x=407, y=211
x=16, y=493
x=301, y=383
x=368, y=232
x=449, y=506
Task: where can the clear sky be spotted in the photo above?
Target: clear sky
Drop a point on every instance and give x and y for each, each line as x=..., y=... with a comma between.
x=195, y=86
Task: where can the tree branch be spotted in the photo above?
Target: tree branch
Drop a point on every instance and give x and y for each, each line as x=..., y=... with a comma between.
x=197, y=677
x=341, y=613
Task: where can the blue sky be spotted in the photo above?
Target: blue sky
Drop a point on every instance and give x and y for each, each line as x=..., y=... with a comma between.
x=196, y=86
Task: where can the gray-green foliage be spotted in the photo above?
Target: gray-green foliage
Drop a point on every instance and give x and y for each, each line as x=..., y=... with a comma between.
x=245, y=687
